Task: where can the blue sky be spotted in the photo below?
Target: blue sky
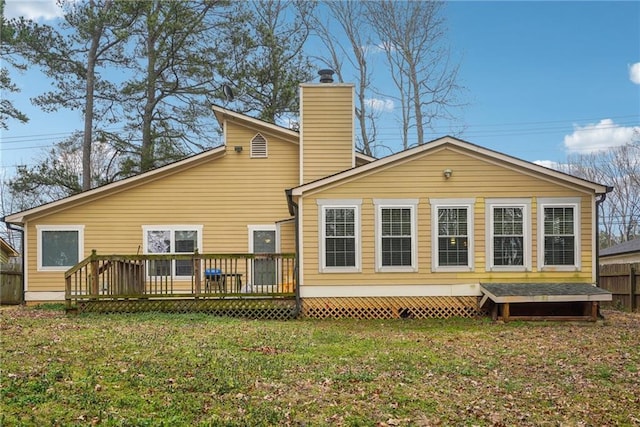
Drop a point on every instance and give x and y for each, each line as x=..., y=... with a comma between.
x=543, y=80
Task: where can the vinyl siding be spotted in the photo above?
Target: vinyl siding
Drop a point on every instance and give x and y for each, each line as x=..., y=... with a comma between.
x=422, y=178
x=224, y=195
x=327, y=129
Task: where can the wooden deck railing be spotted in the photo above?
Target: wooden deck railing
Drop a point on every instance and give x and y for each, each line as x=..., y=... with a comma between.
x=120, y=277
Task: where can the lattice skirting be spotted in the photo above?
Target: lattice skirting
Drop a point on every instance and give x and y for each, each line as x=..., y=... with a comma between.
x=253, y=308
x=392, y=307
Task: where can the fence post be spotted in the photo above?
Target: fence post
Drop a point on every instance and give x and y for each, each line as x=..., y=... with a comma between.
x=632, y=288
x=196, y=271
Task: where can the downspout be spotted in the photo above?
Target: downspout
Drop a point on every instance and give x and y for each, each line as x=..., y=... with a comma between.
x=10, y=226
x=599, y=201
x=293, y=210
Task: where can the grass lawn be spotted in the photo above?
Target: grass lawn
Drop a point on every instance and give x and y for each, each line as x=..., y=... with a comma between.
x=173, y=370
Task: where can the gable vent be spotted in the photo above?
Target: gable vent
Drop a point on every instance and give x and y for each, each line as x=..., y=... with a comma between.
x=258, y=147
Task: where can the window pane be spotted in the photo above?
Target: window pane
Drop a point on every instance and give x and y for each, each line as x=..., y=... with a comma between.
x=340, y=242
x=508, y=251
x=59, y=248
x=396, y=237
x=453, y=240
x=186, y=241
x=508, y=236
x=452, y=251
x=559, y=250
x=559, y=240
x=159, y=241
x=396, y=251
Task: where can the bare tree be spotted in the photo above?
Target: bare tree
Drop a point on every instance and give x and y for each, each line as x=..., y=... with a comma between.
x=620, y=168
x=412, y=35
x=58, y=173
x=352, y=23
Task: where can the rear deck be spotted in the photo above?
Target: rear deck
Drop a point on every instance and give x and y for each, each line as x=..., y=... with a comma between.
x=241, y=285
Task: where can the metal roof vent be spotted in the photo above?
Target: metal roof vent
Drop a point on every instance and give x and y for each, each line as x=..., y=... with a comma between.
x=326, y=76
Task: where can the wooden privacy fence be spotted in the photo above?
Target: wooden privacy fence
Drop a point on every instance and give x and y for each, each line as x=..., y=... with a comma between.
x=622, y=281
x=10, y=284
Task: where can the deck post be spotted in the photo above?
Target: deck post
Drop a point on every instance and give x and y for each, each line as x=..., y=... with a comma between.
x=196, y=272
x=67, y=292
x=505, y=312
x=94, y=273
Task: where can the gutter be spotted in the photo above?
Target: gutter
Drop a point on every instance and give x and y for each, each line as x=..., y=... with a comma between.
x=293, y=210
x=10, y=226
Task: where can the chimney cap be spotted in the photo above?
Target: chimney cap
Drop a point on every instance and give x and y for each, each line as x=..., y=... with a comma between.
x=326, y=75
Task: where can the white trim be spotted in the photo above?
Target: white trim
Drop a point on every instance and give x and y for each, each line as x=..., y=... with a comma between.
x=66, y=227
x=467, y=203
x=560, y=202
x=323, y=205
x=412, y=205
x=344, y=290
x=44, y=296
x=525, y=205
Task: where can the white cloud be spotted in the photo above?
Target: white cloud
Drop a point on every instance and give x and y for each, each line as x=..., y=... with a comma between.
x=32, y=9
x=550, y=164
x=634, y=73
x=598, y=136
x=380, y=105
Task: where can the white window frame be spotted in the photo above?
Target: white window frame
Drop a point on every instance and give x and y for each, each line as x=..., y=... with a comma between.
x=412, y=205
x=525, y=205
x=75, y=227
x=172, y=228
x=560, y=202
x=436, y=204
x=323, y=205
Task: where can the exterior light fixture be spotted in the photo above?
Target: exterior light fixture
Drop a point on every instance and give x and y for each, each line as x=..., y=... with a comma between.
x=238, y=148
x=447, y=173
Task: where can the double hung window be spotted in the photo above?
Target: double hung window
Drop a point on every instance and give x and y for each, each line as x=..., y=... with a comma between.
x=509, y=243
x=178, y=239
x=340, y=235
x=452, y=234
x=396, y=235
x=559, y=225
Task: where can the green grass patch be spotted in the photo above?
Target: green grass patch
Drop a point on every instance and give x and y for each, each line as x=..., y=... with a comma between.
x=152, y=369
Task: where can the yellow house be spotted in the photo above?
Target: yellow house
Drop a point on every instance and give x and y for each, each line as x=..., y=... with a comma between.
x=424, y=232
